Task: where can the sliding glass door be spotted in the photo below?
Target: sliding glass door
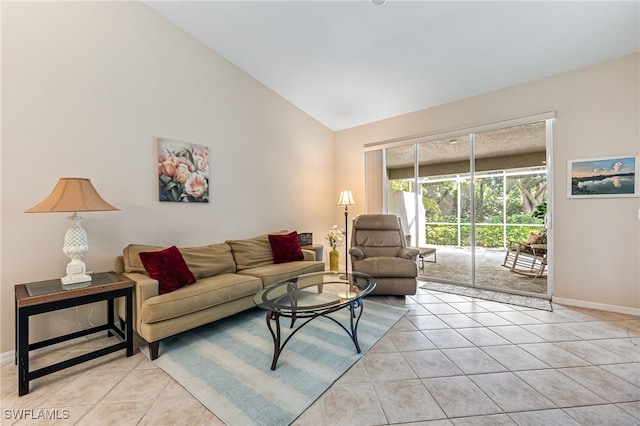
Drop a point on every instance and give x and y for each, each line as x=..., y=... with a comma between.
x=471, y=197
x=445, y=195
x=510, y=182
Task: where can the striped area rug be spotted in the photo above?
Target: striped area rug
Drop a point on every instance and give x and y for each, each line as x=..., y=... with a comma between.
x=226, y=364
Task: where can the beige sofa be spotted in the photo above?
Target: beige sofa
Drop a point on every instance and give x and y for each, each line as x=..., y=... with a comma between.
x=228, y=275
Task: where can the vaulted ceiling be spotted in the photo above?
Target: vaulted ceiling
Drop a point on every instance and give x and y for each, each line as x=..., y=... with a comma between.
x=348, y=63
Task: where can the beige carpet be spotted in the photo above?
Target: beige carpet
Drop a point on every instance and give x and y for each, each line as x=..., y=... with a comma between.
x=453, y=266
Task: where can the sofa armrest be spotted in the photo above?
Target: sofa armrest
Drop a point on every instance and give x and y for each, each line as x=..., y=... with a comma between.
x=144, y=289
x=408, y=253
x=308, y=254
x=356, y=252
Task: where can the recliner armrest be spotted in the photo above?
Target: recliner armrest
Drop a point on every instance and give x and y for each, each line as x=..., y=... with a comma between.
x=356, y=252
x=408, y=253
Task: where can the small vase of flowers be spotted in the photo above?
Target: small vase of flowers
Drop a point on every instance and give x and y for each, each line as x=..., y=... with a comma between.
x=335, y=237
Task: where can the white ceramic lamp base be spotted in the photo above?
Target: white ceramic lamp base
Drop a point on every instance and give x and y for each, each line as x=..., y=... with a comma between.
x=75, y=246
x=76, y=273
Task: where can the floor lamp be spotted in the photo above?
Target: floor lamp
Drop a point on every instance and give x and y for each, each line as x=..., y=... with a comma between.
x=346, y=200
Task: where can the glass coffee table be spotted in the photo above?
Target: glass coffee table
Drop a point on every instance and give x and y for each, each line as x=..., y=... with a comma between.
x=309, y=296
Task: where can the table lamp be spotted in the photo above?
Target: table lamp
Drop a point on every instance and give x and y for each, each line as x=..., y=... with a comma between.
x=346, y=200
x=74, y=195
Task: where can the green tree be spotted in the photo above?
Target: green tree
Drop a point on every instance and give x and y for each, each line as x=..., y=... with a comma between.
x=489, y=199
x=533, y=189
x=439, y=200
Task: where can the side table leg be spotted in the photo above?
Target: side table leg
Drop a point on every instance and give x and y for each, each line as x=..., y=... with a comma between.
x=17, y=323
x=129, y=313
x=110, y=321
x=23, y=352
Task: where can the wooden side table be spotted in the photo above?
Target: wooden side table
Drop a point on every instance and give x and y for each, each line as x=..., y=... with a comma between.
x=46, y=296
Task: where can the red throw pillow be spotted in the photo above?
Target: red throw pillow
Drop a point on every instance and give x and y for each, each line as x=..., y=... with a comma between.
x=168, y=267
x=285, y=247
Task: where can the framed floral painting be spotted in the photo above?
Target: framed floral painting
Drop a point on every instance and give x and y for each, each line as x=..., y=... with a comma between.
x=183, y=171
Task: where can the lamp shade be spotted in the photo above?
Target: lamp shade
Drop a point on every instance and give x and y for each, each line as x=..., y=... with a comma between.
x=73, y=195
x=346, y=199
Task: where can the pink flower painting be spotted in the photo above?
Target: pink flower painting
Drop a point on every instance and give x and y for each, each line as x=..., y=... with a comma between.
x=183, y=171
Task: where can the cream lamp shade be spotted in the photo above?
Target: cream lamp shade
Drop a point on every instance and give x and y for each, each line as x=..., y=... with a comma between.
x=346, y=199
x=74, y=195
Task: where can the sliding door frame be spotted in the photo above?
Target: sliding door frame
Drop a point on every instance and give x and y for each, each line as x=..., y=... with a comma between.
x=547, y=117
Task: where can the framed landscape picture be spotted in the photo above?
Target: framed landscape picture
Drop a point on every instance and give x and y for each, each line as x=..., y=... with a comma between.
x=603, y=177
x=183, y=171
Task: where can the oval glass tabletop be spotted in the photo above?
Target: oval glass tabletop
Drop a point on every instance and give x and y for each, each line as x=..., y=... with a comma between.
x=314, y=291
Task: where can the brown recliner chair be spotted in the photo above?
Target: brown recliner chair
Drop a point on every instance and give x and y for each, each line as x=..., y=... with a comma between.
x=379, y=248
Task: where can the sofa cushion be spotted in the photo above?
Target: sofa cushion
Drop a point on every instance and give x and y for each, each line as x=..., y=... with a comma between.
x=205, y=261
x=285, y=247
x=168, y=267
x=204, y=294
x=272, y=273
x=252, y=252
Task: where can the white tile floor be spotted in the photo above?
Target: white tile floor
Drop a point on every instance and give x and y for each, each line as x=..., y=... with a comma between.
x=451, y=360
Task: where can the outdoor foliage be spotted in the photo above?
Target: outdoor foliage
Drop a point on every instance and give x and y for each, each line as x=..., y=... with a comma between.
x=486, y=236
x=525, y=204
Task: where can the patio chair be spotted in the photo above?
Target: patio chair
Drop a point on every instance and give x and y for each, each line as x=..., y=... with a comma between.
x=379, y=248
x=529, y=258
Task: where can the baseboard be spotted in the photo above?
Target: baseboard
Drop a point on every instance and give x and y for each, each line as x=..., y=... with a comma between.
x=6, y=357
x=597, y=306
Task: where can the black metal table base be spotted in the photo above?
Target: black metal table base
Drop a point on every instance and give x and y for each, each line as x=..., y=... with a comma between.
x=278, y=345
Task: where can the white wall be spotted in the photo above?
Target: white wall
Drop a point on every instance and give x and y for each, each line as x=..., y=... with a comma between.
x=597, y=241
x=86, y=86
